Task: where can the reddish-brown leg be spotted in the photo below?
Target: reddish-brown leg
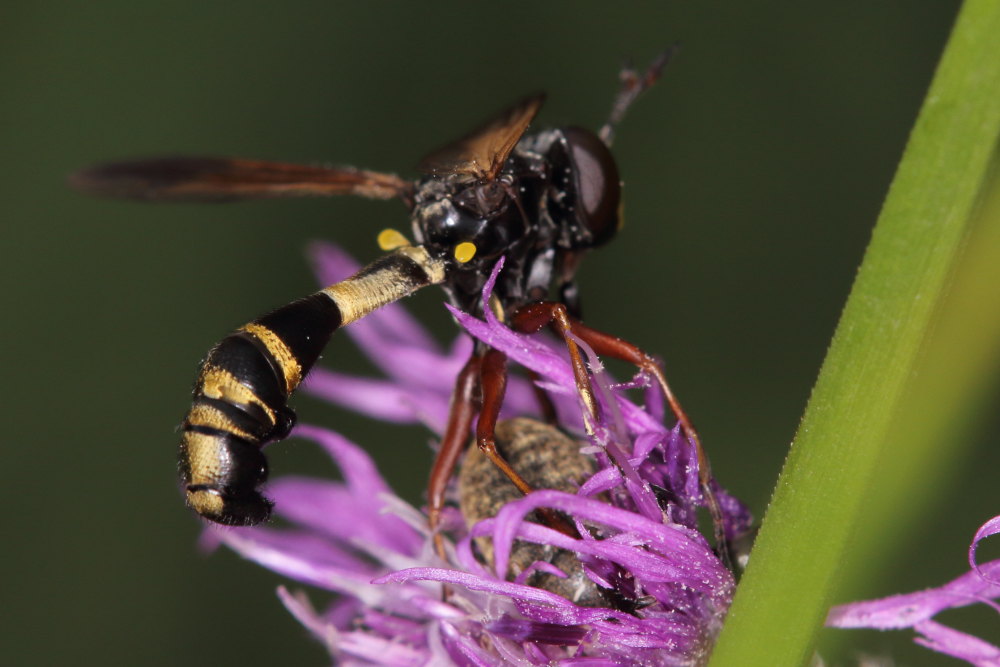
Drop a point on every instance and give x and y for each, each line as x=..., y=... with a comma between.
x=494, y=384
x=464, y=404
x=532, y=317
x=611, y=346
x=535, y=315
x=481, y=385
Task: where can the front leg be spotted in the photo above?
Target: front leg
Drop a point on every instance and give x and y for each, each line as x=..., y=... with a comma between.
x=534, y=316
x=530, y=318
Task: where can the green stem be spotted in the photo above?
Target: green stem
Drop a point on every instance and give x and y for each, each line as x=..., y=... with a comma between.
x=851, y=425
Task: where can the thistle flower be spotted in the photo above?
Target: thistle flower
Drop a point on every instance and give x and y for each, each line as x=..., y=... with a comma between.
x=917, y=610
x=402, y=604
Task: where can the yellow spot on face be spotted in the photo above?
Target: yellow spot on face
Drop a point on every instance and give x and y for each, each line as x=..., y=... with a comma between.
x=390, y=239
x=290, y=366
x=465, y=251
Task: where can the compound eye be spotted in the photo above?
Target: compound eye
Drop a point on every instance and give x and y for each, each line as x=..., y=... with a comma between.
x=598, y=190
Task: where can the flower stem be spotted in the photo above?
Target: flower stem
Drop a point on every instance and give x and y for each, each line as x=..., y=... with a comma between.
x=850, y=429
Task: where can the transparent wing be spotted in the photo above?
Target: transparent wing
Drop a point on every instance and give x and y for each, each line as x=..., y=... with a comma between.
x=224, y=179
x=482, y=153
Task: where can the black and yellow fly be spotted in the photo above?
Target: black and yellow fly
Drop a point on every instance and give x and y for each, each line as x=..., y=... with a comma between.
x=541, y=200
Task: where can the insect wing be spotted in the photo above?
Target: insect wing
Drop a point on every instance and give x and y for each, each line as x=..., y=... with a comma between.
x=225, y=179
x=482, y=153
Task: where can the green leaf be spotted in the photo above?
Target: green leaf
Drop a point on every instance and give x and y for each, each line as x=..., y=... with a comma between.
x=916, y=341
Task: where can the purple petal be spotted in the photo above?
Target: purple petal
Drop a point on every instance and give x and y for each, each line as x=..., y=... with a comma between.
x=358, y=469
x=280, y=552
x=342, y=514
x=530, y=631
x=988, y=529
x=678, y=545
x=380, y=399
x=526, y=351
x=474, y=583
x=301, y=557
x=916, y=610
x=377, y=650
x=957, y=644
x=402, y=629
x=464, y=650
x=903, y=611
x=298, y=605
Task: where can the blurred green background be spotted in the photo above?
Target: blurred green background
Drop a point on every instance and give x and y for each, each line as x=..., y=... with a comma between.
x=754, y=173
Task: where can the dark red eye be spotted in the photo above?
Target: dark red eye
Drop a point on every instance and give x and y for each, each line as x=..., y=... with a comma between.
x=595, y=182
x=587, y=191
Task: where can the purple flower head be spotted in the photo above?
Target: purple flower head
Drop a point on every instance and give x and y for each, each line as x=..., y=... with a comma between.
x=661, y=591
x=917, y=610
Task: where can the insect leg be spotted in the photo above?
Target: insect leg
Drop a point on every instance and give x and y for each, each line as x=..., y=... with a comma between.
x=464, y=405
x=611, y=346
x=241, y=395
x=494, y=384
x=605, y=344
x=481, y=385
x=533, y=316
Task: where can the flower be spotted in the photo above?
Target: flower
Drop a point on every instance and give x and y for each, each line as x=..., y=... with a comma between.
x=916, y=610
x=400, y=603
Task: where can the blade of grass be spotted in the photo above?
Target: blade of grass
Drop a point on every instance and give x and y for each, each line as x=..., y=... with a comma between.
x=876, y=351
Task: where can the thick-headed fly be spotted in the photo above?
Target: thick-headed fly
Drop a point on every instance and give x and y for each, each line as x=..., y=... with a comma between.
x=541, y=200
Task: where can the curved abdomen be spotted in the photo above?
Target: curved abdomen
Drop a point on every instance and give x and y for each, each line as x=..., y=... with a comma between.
x=241, y=395
x=240, y=403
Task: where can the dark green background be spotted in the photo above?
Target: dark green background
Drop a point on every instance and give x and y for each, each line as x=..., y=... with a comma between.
x=754, y=174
